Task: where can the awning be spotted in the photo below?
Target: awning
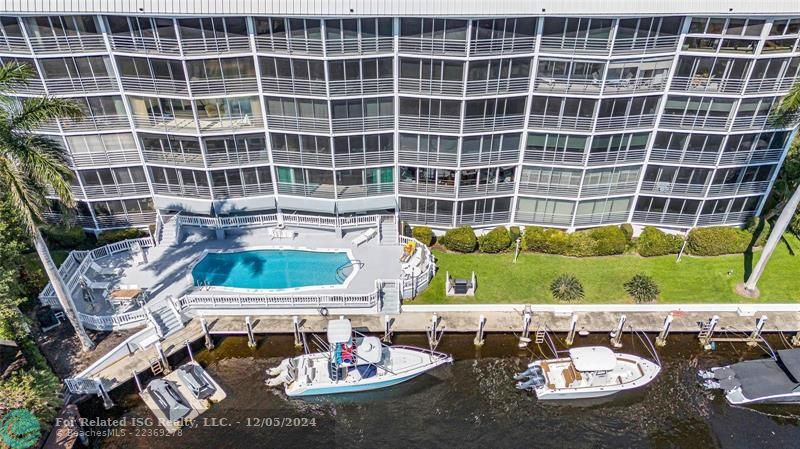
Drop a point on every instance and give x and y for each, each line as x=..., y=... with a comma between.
x=366, y=204
x=306, y=204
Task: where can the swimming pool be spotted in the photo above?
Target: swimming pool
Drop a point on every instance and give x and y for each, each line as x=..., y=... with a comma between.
x=269, y=269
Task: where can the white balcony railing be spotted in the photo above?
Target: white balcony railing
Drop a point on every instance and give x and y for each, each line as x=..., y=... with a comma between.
x=489, y=157
x=84, y=43
x=222, y=86
x=430, y=124
x=560, y=122
x=294, y=86
x=635, y=85
x=362, y=124
x=750, y=157
x=561, y=44
x=72, y=85
x=431, y=87
x=294, y=123
x=615, y=157
x=497, y=86
x=673, y=188
x=567, y=85
x=706, y=84
x=12, y=44
x=543, y=218
x=114, y=157
x=366, y=158
x=664, y=218
x=244, y=190
x=770, y=85
x=154, y=85
x=116, y=190
x=361, y=87
x=483, y=219
x=428, y=158
x=146, y=45
x=570, y=158
x=95, y=123
x=445, y=220
x=694, y=122
x=363, y=46
x=659, y=44
x=626, y=122
x=742, y=188
x=424, y=46
x=601, y=218
x=174, y=158
x=614, y=188
x=227, y=44
x=548, y=189
x=488, y=189
x=269, y=44
x=445, y=189
x=182, y=190
x=309, y=190
x=236, y=158
x=493, y=123
x=513, y=45
x=364, y=190
x=684, y=157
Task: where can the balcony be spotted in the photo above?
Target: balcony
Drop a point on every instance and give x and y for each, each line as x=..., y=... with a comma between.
x=487, y=189
x=361, y=87
x=145, y=45
x=635, y=85
x=364, y=190
x=363, y=46
x=699, y=84
x=759, y=122
x=431, y=87
x=684, y=157
x=616, y=157
x=543, y=218
x=770, y=85
x=231, y=123
x=366, y=158
x=493, y=123
x=69, y=86
x=308, y=190
x=233, y=159
x=560, y=44
x=34, y=86
x=694, y=122
x=166, y=123
x=362, y=124
x=428, y=219
x=240, y=191
x=600, y=219
x=116, y=190
x=743, y=188
x=609, y=189
x=497, y=86
x=483, y=219
x=444, y=189
x=294, y=86
x=625, y=122
x=428, y=159
x=88, y=43
x=161, y=86
x=114, y=157
x=499, y=47
x=445, y=124
x=293, y=46
x=631, y=46
x=567, y=85
x=95, y=123
x=551, y=157
x=302, y=158
x=489, y=158
x=302, y=124
x=182, y=190
x=423, y=46
x=673, y=188
x=664, y=218
x=229, y=44
x=125, y=220
x=11, y=44
x=548, y=189
x=174, y=158
x=729, y=218
x=750, y=157
x=549, y=122
x=223, y=86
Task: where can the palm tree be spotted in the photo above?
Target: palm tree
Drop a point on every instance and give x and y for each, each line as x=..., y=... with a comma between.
x=786, y=112
x=31, y=165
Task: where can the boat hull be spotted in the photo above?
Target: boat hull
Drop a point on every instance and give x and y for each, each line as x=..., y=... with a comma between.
x=350, y=388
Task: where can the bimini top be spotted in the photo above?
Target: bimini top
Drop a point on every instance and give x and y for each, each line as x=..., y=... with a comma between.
x=339, y=331
x=593, y=358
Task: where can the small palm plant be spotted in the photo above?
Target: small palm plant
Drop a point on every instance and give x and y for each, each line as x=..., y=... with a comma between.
x=567, y=288
x=642, y=288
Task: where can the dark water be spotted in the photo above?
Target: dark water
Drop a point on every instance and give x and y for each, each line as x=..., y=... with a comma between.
x=471, y=404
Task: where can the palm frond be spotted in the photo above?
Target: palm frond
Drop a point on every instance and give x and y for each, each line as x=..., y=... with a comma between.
x=23, y=195
x=45, y=162
x=34, y=112
x=14, y=74
x=789, y=106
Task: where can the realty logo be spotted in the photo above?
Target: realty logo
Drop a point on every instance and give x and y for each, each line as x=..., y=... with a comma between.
x=19, y=429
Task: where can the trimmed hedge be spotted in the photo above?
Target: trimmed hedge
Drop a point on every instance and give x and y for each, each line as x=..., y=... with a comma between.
x=116, y=235
x=495, y=241
x=655, y=242
x=718, y=240
x=760, y=229
x=515, y=233
x=60, y=237
x=604, y=241
x=545, y=240
x=609, y=240
x=423, y=234
x=627, y=228
x=460, y=239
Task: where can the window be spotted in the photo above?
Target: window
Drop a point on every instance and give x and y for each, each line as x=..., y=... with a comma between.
x=10, y=28
x=611, y=209
x=776, y=68
x=646, y=28
x=751, y=108
x=430, y=108
x=731, y=27
x=230, y=182
x=358, y=69
x=153, y=28
x=679, y=142
x=166, y=108
x=99, y=106
x=45, y=27
x=628, y=107
x=699, y=106
x=245, y=109
x=423, y=210
x=775, y=140
x=431, y=69
x=548, y=176
x=701, y=71
x=486, y=145
x=437, y=29
x=619, y=143
x=231, y=146
x=80, y=67
x=370, y=143
x=482, y=210
x=362, y=107
x=676, y=175
x=563, y=107
x=101, y=143
x=161, y=147
x=150, y=68
x=425, y=146
x=212, y=28
x=221, y=69
x=571, y=70
x=565, y=147
x=545, y=211
x=300, y=143
x=499, y=69
x=658, y=205
x=299, y=107
x=494, y=107
x=785, y=26
x=286, y=68
x=353, y=29
x=578, y=33
x=112, y=176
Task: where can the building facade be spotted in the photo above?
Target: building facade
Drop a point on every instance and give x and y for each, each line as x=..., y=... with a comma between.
x=516, y=114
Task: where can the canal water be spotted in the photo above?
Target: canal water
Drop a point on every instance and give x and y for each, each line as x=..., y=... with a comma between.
x=470, y=404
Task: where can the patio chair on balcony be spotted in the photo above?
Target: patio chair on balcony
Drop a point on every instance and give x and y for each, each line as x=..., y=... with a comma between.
x=105, y=271
x=97, y=285
x=365, y=236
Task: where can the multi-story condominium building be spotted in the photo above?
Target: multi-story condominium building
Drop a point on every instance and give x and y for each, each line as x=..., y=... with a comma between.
x=446, y=112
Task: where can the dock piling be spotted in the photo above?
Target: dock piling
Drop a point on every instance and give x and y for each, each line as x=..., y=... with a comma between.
x=524, y=339
x=298, y=340
x=208, y=340
x=136, y=379
x=101, y=391
x=479, y=338
x=755, y=336
x=251, y=339
x=434, y=332
x=661, y=340
x=573, y=326
x=162, y=358
x=189, y=350
x=387, y=329
x=616, y=335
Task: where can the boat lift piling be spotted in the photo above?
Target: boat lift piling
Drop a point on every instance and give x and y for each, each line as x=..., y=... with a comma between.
x=251, y=339
x=136, y=379
x=189, y=350
x=573, y=325
x=162, y=358
x=435, y=333
x=616, y=335
x=755, y=336
x=387, y=329
x=661, y=340
x=208, y=340
x=298, y=340
x=101, y=391
x=524, y=339
x=479, y=337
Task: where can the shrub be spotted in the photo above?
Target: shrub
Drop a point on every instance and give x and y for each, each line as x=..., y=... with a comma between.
x=567, y=288
x=609, y=240
x=495, y=241
x=627, y=229
x=541, y=240
x=65, y=237
x=718, y=240
x=461, y=239
x=116, y=235
x=642, y=288
x=515, y=233
x=423, y=234
x=760, y=229
x=794, y=226
x=655, y=242
x=580, y=244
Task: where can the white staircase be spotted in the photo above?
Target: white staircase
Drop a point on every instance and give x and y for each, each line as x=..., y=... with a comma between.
x=388, y=231
x=166, y=320
x=169, y=233
x=390, y=300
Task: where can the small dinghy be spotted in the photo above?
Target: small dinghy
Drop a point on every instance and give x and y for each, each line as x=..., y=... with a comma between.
x=352, y=362
x=588, y=372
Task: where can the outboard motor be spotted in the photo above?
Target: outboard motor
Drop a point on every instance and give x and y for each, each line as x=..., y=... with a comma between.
x=531, y=383
x=533, y=370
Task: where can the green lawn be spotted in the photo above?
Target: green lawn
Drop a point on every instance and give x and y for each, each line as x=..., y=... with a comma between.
x=693, y=279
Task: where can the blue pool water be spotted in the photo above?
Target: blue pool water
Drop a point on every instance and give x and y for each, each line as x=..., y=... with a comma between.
x=271, y=269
